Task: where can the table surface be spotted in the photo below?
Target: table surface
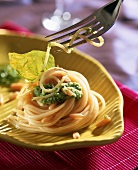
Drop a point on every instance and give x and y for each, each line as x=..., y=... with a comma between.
x=119, y=53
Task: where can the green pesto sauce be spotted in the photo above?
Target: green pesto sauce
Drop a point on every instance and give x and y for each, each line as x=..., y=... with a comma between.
x=59, y=96
x=8, y=75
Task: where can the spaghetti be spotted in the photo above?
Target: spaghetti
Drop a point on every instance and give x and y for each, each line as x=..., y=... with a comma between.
x=57, y=118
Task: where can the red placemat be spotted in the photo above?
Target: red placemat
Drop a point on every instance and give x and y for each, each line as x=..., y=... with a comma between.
x=121, y=155
x=15, y=28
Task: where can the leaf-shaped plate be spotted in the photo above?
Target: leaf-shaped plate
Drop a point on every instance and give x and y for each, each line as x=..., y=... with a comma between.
x=99, y=80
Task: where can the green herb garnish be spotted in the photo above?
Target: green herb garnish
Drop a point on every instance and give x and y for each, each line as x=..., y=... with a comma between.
x=58, y=95
x=8, y=75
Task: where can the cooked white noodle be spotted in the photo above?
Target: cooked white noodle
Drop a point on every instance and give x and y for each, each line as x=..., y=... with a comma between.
x=69, y=116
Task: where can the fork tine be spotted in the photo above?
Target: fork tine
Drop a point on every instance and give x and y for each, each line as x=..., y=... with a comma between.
x=99, y=33
x=93, y=36
x=95, y=28
x=98, y=27
x=73, y=26
x=93, y=22
x=67, y=41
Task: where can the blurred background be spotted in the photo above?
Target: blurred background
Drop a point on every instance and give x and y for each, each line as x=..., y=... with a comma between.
x=119, y=54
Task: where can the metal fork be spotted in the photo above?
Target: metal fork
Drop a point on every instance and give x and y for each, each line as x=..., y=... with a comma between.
x=99, y=22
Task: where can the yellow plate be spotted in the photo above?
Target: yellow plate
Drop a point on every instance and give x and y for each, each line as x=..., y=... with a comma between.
x=99, y=80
